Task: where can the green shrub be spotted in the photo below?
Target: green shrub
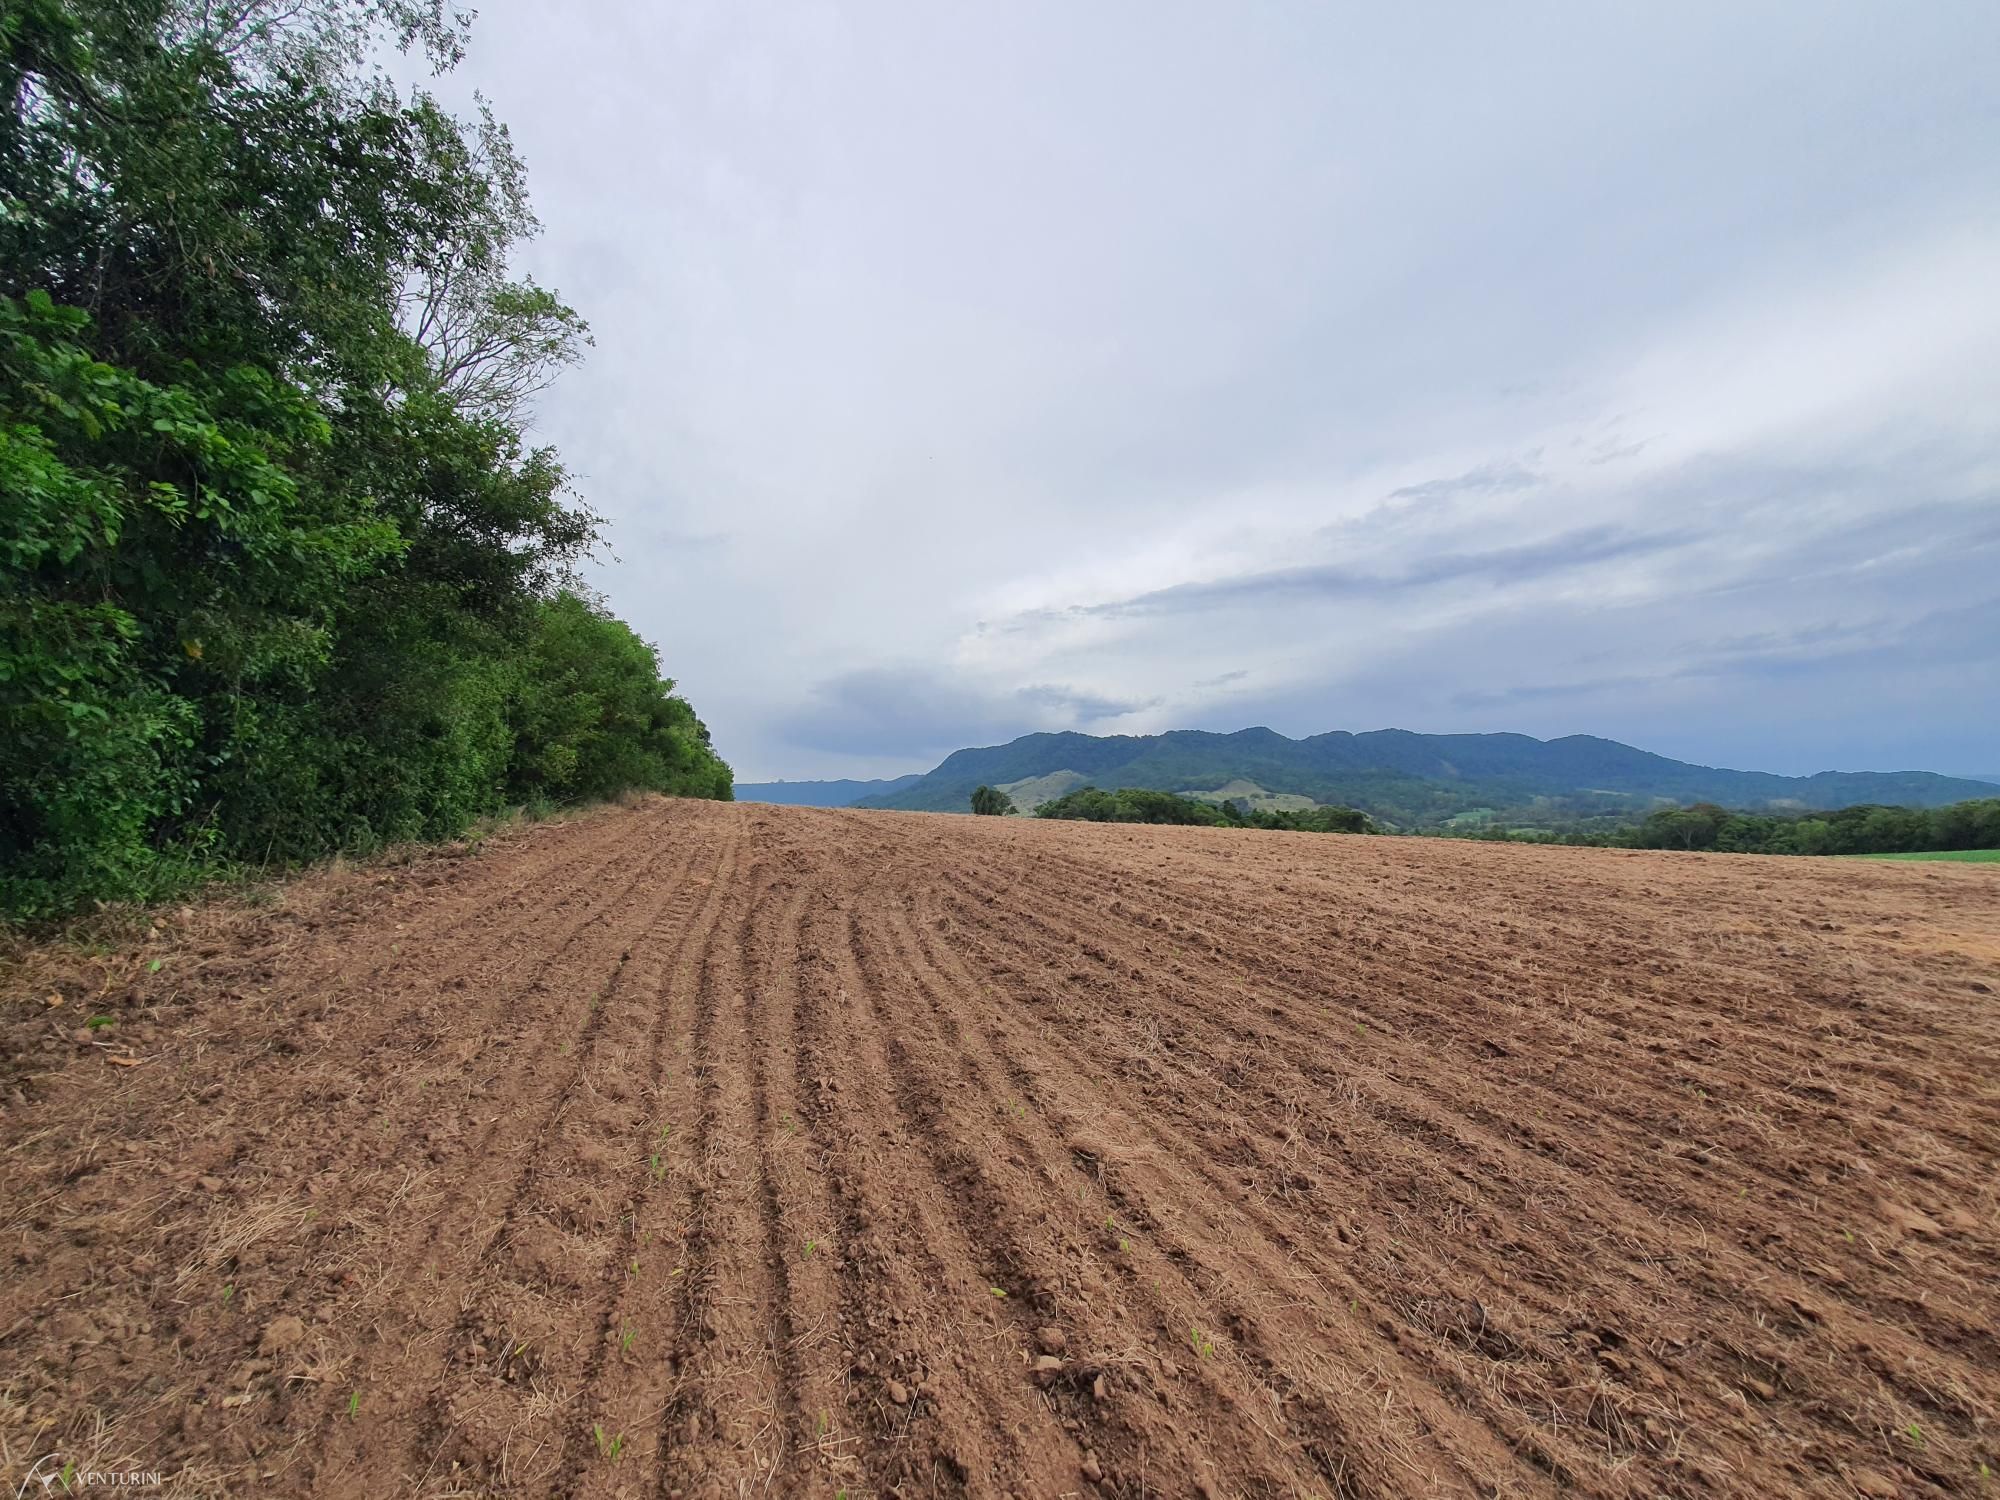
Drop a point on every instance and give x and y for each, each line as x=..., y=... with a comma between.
x=990, y=801
x=280, y=574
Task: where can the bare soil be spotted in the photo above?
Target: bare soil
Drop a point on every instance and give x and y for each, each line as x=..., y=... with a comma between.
x=696, y=1149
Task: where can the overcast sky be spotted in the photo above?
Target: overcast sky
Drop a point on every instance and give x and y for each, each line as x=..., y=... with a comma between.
x=968, y=370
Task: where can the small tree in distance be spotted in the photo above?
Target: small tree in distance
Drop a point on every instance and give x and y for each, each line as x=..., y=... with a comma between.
x=991, y=802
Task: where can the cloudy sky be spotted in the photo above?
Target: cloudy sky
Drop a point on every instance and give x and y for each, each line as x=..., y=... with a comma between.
x=964, y=370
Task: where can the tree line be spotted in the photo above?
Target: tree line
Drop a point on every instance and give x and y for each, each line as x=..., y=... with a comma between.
x=1863, y=829
x=1140, y=805
x=283, y=573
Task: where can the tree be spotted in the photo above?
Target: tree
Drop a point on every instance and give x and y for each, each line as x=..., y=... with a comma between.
x=280, y=571
x=592, y=715
x=1695, y=827
x=165, y=569
x=991, y=801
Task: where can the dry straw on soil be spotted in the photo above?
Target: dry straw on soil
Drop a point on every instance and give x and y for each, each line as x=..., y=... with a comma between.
x=701, y=1148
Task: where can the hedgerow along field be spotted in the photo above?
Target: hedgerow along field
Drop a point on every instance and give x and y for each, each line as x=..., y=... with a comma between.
x=698, y=1148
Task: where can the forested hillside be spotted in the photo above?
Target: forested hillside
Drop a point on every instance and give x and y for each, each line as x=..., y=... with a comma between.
x=283, y=573
x=1414, y=780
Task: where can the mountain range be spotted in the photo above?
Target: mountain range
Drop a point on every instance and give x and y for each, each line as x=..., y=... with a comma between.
x=1402, y=778
x=822, y=793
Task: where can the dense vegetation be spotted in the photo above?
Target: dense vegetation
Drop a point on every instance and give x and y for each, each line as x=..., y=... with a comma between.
x=1142, y=805
x=991, y=802
x=1130, y=804
x=1326, y=819
x=282, y=573
x=1864, y=829
x=1413, y=781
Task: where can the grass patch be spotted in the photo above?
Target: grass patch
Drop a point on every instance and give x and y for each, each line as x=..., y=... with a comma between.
x=1956, y=856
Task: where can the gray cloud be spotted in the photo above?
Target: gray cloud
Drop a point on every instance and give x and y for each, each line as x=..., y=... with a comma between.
x=1083, y=706
x=1611, y=453
x=1497, y=478
x=1809, y=676
x=1523, y=563
x=922, y=714
x=1284, y=365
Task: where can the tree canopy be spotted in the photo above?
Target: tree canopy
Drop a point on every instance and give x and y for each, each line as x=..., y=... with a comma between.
x=990, y=801
x=1142, y=805
x=1862, y=829
x=1865, y=828
x=283, y=572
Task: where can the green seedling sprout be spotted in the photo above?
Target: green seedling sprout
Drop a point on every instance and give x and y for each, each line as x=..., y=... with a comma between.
x=625, y=1344
x=353, y=1405
x=1200, y=1344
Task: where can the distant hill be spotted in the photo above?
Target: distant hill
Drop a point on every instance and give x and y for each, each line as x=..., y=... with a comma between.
x=1407, y=779
x=823, y=793
x=1032, y=793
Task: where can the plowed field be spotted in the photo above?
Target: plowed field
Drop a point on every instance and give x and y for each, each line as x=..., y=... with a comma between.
x=695, y=1149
